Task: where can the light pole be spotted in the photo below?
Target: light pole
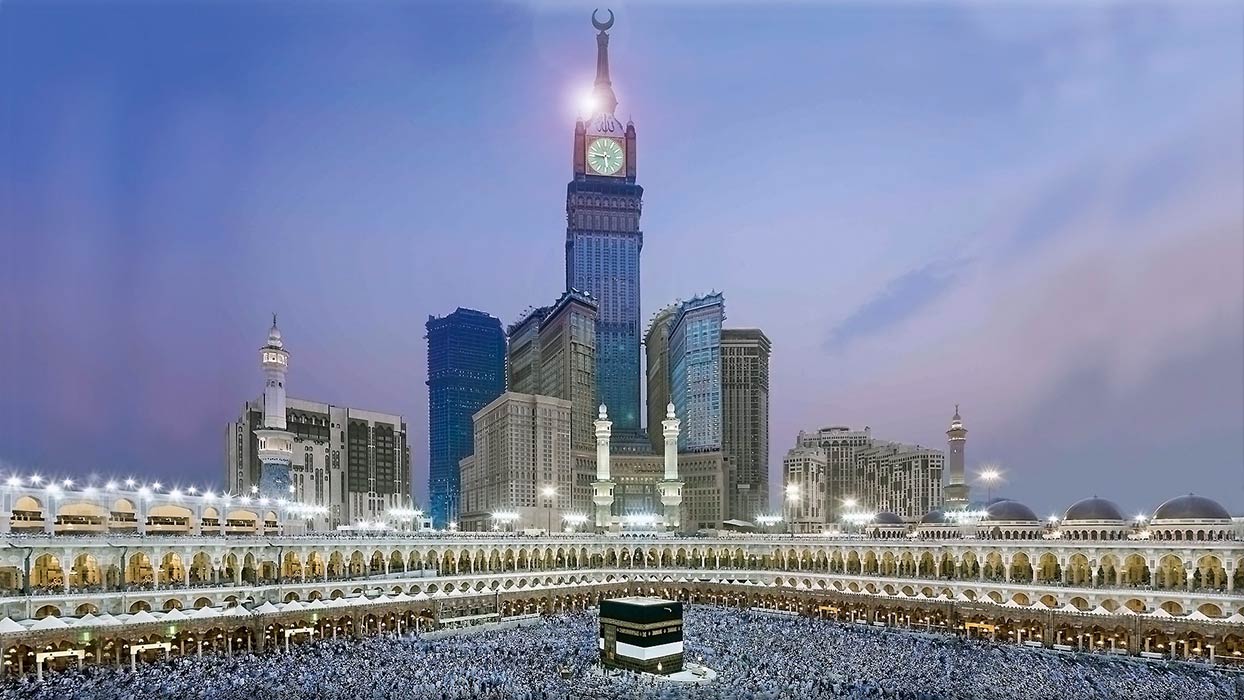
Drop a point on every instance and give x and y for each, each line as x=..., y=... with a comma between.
x=792, y=501
x=573, y=520
x=549, y=492
x=500, y=519
x=768, y=521
x=989, y=475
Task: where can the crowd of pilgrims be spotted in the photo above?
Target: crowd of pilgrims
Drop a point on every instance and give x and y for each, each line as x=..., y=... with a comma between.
x=756, y=656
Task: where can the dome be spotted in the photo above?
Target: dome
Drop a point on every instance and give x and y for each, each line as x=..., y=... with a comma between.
x=274, y=335
x=887, y=519
x=1009, y=511
x=934, y=517
x=1093, y=509
x=1191, y=507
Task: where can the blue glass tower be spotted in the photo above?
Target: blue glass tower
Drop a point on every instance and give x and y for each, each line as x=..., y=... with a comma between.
x=695, y=371
x=603, y=241
x=466, y=371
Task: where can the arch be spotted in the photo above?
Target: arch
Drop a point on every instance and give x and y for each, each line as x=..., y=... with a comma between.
x=167, y=517
x=1210, y=610
x=47, y=611
x=81, y=516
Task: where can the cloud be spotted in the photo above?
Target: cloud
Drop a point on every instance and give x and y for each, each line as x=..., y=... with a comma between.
x=1103, y=297
x=902, y=298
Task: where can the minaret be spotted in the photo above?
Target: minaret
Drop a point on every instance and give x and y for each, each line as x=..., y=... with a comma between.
x=671, y=487
x=602, y=488
x=956, y=492
x=276, y=444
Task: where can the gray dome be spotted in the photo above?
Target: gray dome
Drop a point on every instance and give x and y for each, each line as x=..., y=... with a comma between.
x=934, y=517
x=1191, y=507
x=1009, y=511
x=887, y=519
x=1093, y=509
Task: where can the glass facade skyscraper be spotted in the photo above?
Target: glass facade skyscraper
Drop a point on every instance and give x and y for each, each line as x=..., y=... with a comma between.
x=466, y=371
x=695, y=371
x=603, y=242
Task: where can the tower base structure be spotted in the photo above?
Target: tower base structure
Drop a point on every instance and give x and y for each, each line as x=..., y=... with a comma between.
x=274, y=480
x=671, y=499
x=602, y=497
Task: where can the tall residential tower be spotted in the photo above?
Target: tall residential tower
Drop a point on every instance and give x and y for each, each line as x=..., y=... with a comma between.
x=695, y=371
x=466, y=371
x=745, y=417
x=603, y=240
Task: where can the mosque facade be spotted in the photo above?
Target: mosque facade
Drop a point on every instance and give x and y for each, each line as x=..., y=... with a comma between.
x=211, y=574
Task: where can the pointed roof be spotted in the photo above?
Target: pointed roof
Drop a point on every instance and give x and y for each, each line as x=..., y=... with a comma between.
x=174, y=614
x=51, y=622
x=274, y=336
x=141, y=617
x=8, y=626
x=266, y=609
x=606, y=101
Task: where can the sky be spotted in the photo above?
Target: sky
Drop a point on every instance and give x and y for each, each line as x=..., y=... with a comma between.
x=1035, y=211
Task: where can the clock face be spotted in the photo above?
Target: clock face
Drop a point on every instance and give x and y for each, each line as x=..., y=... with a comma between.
x=604, y=156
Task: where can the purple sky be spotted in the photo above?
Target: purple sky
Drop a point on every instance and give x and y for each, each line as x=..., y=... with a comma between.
x=1035, y=211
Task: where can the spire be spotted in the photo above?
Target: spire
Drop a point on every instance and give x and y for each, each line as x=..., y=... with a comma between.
x=957, y=413
x=274, y=335
x=606, y=101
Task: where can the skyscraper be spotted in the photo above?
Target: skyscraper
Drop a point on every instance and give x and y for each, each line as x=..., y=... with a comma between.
x=603, y=240
x=466, y=370
x=522, y=374
x=521, y=464
x=745, y=417
x=552, y=352
x=656, y=352
x=956, y=440
x=695, y=371
x=568, y=361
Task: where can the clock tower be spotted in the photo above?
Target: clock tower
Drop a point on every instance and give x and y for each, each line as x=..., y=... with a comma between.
x=603, y=239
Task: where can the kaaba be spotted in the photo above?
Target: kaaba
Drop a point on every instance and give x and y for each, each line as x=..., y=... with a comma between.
x=641, y=634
